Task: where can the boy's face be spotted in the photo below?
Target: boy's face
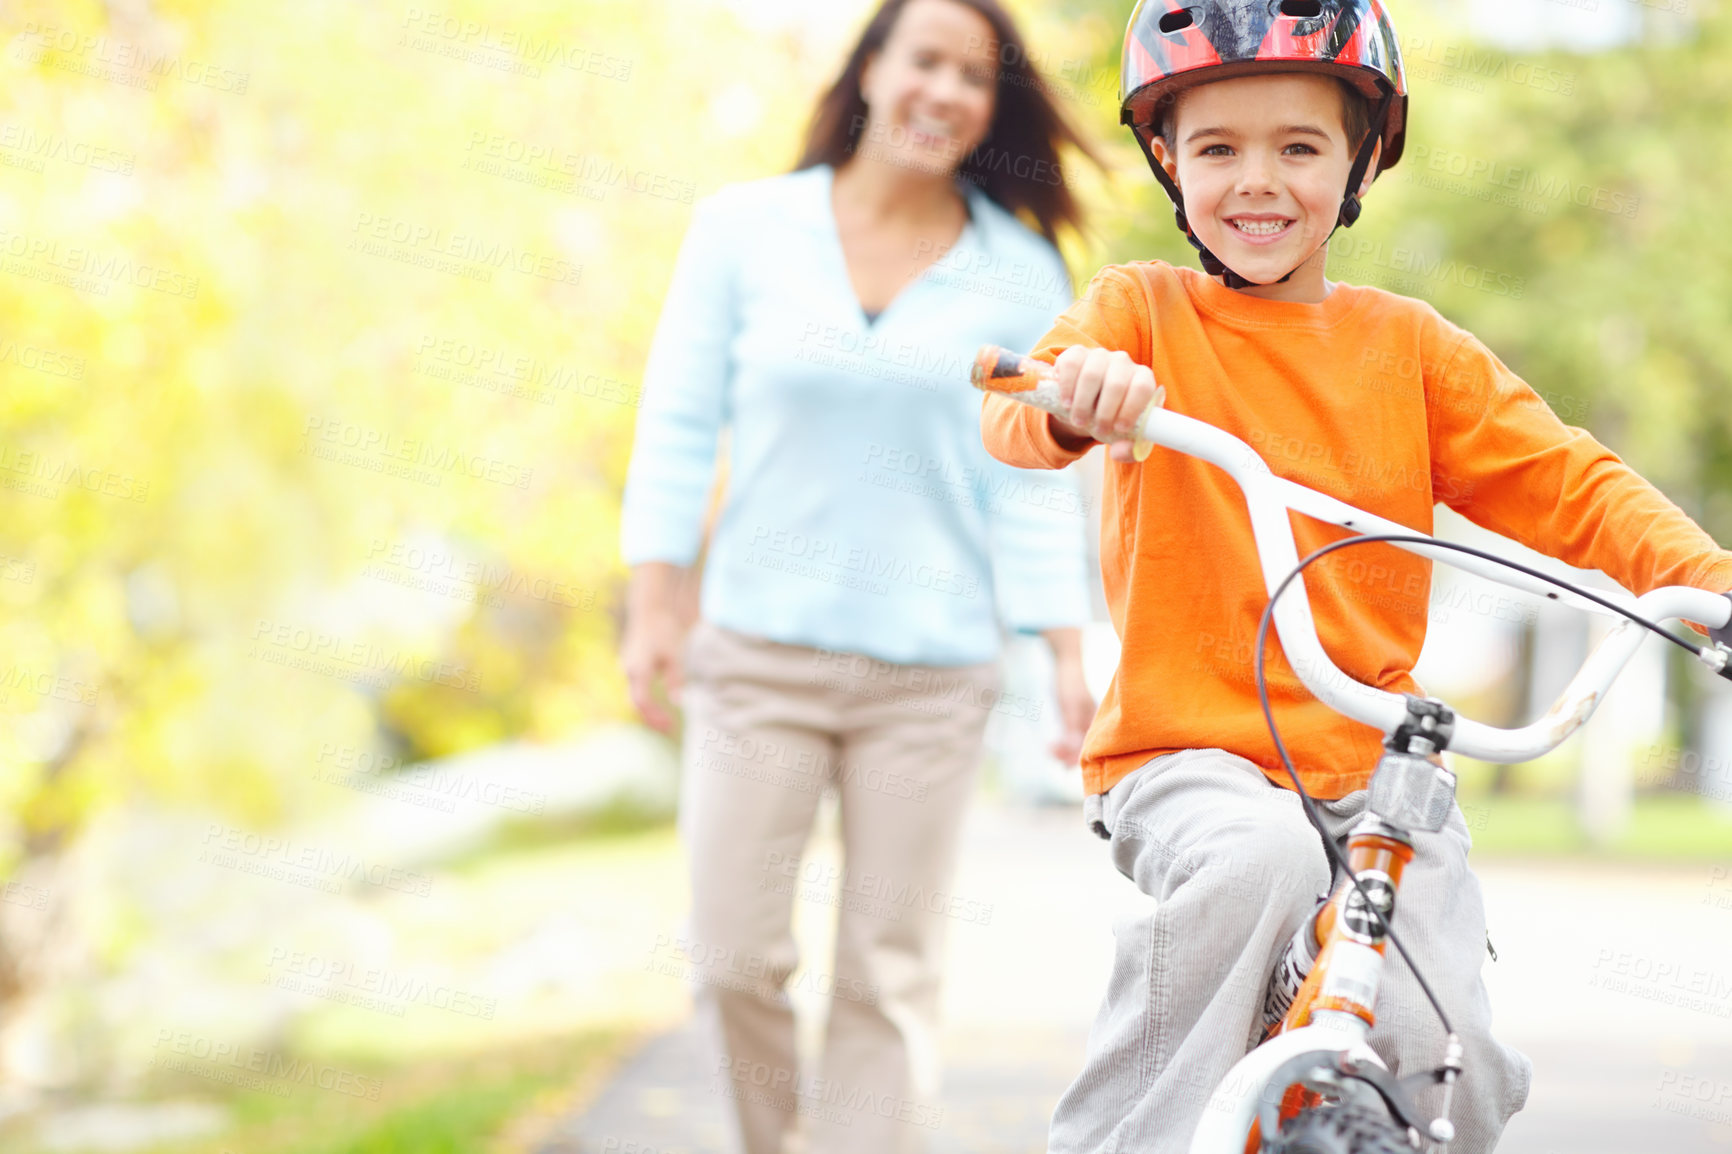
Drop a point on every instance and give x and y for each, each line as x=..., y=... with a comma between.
x=1262, y=162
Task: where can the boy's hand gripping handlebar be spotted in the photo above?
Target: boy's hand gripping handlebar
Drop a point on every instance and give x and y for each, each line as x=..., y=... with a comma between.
x=1269, y=498
x=1035, y=383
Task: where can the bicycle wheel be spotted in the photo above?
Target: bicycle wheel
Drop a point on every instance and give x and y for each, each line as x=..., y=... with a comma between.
x=1342, y=1130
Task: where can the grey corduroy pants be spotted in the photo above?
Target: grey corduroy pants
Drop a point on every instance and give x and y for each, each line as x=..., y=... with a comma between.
x=1235, y=868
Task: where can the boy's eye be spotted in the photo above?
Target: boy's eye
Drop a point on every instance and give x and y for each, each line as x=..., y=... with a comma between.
x=1300, y=150
x=1216, y=150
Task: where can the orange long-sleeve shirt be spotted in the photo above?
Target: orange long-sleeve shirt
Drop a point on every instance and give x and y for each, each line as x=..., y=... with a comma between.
x=1371, y=397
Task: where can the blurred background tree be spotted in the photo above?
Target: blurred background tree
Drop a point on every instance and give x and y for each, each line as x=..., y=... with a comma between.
x=326, y=322
x=325, y=329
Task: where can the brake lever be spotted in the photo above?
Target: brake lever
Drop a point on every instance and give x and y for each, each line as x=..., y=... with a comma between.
x=1717, y=654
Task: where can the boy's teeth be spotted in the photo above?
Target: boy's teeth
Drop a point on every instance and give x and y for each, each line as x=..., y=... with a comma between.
x=1260, y=227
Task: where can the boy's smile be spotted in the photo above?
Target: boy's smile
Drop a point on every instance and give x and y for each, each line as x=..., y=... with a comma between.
x=1263, y=162
x=1260, y=228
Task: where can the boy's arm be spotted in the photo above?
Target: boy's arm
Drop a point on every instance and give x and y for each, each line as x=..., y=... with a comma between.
x=1502, y=458
x=1112, y=314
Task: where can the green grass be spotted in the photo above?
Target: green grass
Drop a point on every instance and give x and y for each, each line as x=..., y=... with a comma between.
x=448, y=1084
x=462, y=1118
x=1663, y=828
x=619, y=820
x=469, y=1105
x=453, y=1107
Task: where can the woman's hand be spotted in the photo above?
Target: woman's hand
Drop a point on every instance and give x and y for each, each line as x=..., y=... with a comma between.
x=1076, y=705
x=659, y=612
x=1108, y=393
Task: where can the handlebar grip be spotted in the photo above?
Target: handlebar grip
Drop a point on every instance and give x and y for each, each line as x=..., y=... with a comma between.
x=1034, y=383
x=998, y=370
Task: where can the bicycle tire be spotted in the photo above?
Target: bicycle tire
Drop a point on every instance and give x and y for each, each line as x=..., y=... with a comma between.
x=1341, y=1130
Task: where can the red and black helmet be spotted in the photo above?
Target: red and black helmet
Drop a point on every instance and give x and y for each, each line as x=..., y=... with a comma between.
x=1173, y=44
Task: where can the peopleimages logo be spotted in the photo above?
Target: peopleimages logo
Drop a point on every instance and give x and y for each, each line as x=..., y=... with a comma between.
x=431, y=785
x=34, y=148
x=1468, y=66
x=967, y=485
x=892, y=895
x=250, y=1067
x=49, y=362
x=498, y=369
x=282, y=642
x=318, y=867
x=448, y=573
x=508, y=49
x=793, y=1092
x=1667, y=981
x=797, y=768
x=550, y=166
x=868, y=353
x=42, y=476
x=1399, y=259
x=94, y=269
x=476, y=253
x=1331, y=460
x=828, y=560
x=725, y=967
x=133, y=65
x=923, y=690
x=1542, y=187
x=380, y=450
x=370, y=987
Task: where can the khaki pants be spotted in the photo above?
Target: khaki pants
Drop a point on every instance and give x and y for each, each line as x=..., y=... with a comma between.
x=768, y=729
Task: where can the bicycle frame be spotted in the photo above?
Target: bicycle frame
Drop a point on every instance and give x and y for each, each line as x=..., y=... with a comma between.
x=1334, y=1011
x=1340, y=993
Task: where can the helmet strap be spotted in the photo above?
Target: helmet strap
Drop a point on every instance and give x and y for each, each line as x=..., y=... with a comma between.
x=1350, y=203
x=1350, y=206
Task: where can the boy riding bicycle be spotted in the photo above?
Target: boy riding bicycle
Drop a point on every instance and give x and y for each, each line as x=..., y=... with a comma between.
x=1267, y=123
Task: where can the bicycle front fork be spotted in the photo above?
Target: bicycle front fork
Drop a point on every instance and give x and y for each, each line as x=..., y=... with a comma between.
x=1334, y=963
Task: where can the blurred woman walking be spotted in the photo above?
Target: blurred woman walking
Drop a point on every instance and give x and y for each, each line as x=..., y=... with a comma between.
x=866, y=556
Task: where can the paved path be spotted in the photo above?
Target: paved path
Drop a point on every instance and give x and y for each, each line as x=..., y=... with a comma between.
x=1618, y=983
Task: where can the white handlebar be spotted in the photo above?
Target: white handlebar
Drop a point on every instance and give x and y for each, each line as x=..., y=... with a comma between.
x=1269, y=498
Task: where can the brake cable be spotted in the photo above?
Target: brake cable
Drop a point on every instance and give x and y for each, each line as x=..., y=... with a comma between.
x=1337, y=857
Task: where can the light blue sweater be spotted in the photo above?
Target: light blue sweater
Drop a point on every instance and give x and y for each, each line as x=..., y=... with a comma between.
x=862, y=513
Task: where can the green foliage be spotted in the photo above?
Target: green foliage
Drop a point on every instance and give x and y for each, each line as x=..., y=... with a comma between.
x=1663, y=828
x=465, y=1106
x=309, y=305
x=404, y=279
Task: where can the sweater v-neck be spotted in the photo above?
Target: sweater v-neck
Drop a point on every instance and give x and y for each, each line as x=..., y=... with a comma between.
x=868, y=319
